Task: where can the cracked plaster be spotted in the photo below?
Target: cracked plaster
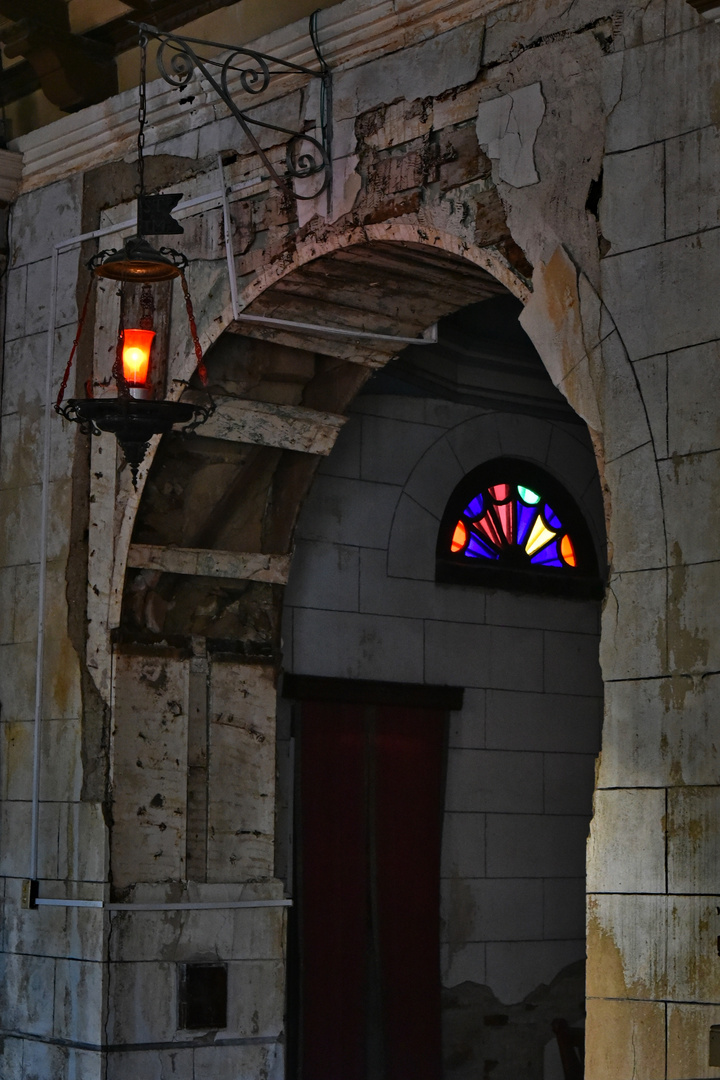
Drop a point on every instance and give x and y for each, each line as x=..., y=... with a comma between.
x=507, y=127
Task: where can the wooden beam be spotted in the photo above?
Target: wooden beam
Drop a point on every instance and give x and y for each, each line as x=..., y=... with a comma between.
x=288, y=427
x=74, y=71
x=203, y=562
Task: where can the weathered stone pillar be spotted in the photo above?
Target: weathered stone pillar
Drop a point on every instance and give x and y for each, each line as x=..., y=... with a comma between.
x=193, y=813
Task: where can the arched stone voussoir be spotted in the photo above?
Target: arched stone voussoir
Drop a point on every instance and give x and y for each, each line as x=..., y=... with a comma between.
x=326, y=240
x=578, y=342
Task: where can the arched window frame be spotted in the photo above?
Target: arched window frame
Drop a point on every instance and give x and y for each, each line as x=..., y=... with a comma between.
x=582, y=581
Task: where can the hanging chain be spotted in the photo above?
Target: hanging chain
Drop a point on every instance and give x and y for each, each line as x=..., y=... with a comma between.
x=147, y=307
x=201, y=369
x=117, y=368
x=81, y=321
x=142, y=117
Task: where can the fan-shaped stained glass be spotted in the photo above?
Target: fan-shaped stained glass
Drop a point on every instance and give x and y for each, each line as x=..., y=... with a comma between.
x=512, y=524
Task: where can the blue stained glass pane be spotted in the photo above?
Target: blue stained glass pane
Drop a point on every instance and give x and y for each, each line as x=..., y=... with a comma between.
x=474, y=509
x=525, y=517
x=547, y=556
x=478, y=549
x=551, y=517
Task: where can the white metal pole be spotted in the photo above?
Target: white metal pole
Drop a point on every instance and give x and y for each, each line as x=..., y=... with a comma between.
x=227, y=228
x=42, y=568
x=210, y=905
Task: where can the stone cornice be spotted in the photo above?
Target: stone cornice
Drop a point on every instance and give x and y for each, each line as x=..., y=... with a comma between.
x=350, y=34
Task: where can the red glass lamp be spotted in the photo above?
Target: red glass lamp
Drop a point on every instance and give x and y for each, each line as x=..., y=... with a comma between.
x=136, y=346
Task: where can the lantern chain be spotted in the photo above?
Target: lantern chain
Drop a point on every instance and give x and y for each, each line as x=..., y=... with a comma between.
x=147, y=308
x=117, y=368
x=76, y=342
x=142, y=117
x=201, y=369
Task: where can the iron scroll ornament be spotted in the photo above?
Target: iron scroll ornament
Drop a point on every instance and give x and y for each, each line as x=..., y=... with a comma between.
x=305, y=156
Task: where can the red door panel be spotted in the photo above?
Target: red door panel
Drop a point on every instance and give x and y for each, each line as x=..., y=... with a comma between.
x=408, y=794
x=369, y=884
x=333, y=887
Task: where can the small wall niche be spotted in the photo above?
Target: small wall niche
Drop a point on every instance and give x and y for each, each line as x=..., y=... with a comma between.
x=203, y=996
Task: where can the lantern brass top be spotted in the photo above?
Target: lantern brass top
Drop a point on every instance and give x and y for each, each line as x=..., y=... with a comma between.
x=138, y=261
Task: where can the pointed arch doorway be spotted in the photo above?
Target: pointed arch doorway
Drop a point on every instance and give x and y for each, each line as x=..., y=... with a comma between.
x=245, y=498
x=520, y=754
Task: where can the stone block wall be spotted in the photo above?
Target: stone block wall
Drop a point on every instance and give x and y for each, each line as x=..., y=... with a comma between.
x=603, y=190
x=658, y=915
x=52, y=962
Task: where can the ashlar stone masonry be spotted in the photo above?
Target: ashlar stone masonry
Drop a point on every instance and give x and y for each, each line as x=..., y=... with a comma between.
x=566, y=155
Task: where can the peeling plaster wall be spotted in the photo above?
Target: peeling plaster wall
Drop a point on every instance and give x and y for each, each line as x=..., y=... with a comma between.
x=569, y=146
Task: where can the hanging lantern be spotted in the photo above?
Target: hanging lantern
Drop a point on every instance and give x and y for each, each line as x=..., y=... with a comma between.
x=137, y=413
x=140, y=409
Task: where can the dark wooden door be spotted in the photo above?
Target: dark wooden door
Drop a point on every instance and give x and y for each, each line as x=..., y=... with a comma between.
x=368, y=845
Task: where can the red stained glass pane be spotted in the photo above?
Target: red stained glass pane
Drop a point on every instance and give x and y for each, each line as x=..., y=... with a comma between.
x=500, y=492
x=459, y=537
x=567, y=550
x=487, y=526
x=506, y=518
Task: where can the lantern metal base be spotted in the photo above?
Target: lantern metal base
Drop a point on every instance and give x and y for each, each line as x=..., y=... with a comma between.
x=133, y=421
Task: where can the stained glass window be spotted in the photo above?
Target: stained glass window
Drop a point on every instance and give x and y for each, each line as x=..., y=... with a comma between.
x=516, y=521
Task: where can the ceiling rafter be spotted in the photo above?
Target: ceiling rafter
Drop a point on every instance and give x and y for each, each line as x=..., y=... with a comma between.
x=77, y=70
x=71, y=69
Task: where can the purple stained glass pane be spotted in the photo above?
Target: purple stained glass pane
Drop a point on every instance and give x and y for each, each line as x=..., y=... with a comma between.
x=547, y=556
x=474, y=509
x=551, y=517
x=525, y=517
x=478, y=549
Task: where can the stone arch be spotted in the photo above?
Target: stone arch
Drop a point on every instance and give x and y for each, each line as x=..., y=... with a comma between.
x=572, y=332
x=569, y=325
x=105, y=585
x=571, y=329
x=400, y=231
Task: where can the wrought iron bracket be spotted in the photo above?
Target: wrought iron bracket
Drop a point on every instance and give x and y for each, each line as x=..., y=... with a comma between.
x=305, y=156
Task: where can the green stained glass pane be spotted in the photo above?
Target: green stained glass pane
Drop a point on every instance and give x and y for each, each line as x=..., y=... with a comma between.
x=528, y=496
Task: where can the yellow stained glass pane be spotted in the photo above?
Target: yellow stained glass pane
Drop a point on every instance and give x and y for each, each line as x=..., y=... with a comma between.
x=539, y=536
